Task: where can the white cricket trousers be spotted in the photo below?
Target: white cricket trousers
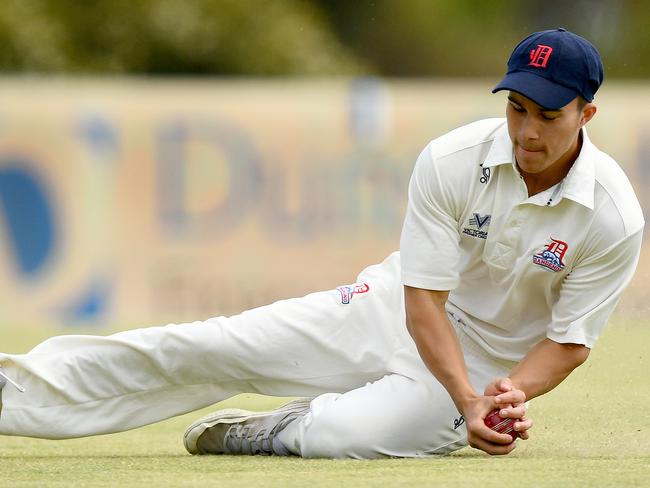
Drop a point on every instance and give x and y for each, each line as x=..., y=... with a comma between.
x=348, y=350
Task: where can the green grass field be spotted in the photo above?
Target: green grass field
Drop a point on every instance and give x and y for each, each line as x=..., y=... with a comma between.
x=592, y=431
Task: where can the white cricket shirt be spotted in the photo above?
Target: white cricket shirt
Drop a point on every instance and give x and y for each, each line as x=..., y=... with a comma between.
x=519, y=269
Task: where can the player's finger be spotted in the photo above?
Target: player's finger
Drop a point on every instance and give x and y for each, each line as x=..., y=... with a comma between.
x=493, y=388
x=491, y=436
x=514, y=397
x=522, y=425
x=493, y=449
x=513, y=412
x=505, y=384
x=497, y=386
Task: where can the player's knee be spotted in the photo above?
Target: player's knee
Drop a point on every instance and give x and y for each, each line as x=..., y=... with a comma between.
x=328, y=436
x=338, y=433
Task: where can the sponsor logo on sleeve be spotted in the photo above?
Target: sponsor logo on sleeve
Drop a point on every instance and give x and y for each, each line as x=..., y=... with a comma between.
x=348, y=291
x=478, y=226
x=552, y=256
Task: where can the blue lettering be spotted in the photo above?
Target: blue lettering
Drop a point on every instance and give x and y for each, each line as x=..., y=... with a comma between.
x=239, y=160
x=28, y=214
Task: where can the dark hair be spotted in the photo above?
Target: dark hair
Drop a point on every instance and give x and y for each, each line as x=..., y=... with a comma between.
x=581, y=103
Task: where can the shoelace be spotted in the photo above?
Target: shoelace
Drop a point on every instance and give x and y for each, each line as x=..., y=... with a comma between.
x=244, y=439
x=12, y=382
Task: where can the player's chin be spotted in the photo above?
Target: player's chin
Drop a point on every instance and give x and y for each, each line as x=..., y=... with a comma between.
x=531, y=161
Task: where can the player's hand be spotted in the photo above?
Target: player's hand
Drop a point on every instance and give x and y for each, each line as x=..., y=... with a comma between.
x=481, y=436
x=511, y=403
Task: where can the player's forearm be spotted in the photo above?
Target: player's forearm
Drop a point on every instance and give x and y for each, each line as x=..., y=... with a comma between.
x=546, y=365
x=437, y=343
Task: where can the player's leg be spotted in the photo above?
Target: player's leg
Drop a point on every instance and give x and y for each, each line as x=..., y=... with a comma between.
x=393, y=416
x=397, y=416
x=85, y=385
x=403, y=415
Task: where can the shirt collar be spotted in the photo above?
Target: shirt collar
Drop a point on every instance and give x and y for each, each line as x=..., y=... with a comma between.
x=501, y=150
x=578, y=185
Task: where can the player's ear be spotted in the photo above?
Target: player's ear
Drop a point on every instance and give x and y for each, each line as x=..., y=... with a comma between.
x=588, y=112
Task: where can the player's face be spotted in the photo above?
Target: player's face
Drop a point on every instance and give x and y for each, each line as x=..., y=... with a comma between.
x=545, y=142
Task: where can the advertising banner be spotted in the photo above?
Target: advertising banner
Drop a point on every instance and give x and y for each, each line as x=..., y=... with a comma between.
x=134, y=202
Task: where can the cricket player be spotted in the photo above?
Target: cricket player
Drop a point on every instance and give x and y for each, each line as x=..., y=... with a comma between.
x=519, y=238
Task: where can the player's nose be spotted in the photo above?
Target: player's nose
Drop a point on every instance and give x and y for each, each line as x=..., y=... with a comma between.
x=529, y=129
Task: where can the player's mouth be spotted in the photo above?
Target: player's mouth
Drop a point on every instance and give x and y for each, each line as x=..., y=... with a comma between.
x=530, y=151
x=530, y=160
x=531, y=155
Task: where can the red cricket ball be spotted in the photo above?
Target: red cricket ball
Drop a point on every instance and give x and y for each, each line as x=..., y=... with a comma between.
x=503, y=426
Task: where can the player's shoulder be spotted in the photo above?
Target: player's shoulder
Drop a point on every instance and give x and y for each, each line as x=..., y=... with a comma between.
x=614, y=190
x=470, y=136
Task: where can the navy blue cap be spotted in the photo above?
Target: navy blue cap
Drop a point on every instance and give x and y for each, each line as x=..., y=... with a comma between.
x=553, y=67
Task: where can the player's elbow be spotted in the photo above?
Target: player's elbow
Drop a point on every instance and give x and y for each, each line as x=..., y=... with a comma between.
x=578, y=353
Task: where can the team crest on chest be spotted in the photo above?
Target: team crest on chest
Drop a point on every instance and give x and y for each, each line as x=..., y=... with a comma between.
x=552, y=256
x=478, y=226
x=348, y=291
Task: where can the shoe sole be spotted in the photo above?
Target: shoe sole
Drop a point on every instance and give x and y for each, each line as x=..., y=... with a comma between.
x=233, y=416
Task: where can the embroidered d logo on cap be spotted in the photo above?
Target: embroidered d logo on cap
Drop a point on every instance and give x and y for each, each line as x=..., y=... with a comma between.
x=539, y=56
x=552, y=68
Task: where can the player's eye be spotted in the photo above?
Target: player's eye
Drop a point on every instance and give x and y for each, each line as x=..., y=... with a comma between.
x=517, y=108
x=549, y=116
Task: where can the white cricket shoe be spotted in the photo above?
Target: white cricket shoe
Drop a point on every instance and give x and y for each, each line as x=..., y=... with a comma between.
x=235, y=431
x=4, y=379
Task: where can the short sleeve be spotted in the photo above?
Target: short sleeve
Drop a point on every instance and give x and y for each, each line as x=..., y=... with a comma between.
x=591, y=291
x=429, y=244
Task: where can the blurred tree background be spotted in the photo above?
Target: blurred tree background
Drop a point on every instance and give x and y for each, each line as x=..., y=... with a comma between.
x=307, y=37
